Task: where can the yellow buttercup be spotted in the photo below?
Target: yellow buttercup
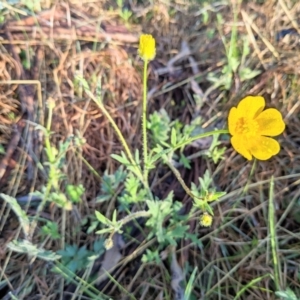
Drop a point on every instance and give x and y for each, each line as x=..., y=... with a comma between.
x=251, y=128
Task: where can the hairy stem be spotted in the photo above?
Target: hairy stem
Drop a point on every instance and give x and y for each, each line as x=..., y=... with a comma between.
x=144, y=122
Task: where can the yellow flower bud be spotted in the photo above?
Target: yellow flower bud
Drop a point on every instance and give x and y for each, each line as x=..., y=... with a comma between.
x=147, y=49
x=206, y=220
x=108, y=243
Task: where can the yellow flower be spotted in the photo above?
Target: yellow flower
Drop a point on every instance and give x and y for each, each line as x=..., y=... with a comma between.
x=147, y=47
x=250, y=127
x=206, y=220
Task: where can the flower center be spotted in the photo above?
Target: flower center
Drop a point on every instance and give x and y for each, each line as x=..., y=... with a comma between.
x=246, y=126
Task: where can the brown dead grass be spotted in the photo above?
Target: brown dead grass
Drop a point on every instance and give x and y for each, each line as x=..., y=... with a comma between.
x=236, y=249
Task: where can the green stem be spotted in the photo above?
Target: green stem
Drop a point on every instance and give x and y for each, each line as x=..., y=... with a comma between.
x=51, y=158
x=117, y=130
x=186, y=142
x=182, y=144
x=144, y=121
x=200, y=136
x=47, y=136
x=135, y=215
x=87, y=288
x=49, y=119
x=273, y=237
x=132, y=216
x=41, y=206
x=178, y=176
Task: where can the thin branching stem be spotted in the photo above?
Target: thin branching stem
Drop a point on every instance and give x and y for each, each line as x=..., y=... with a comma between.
x=199, y=136
x=178, y=176
x=135, y=215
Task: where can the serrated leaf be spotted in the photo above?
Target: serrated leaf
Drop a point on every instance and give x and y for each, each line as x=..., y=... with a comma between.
x=159, y=126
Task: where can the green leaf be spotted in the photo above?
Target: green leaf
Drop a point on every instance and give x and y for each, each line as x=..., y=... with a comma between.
x=160, y=153
x=98, y=246
x=101, y=218
x=103, y=231
x=121, y=158
x=60, y=200
x=134, y=192
x=70, y=250
x=51, y=229
x=110, y=184
x=137, y=156
x=177, y=232
x=23, y=219
x=81, y=252
x=189, y=287
x=151, y=256
x=75, y=192
x=208, y=208
x=82, y=81
x=246, y=73
x=287, y=294
x=185, y=161
x=159, y=210
x=173, y=137
x=114, y=217
x=205, y=181
x=214, y=196
x=2, y=150
x=159, y=126
x=12, y=296
x=28, y=248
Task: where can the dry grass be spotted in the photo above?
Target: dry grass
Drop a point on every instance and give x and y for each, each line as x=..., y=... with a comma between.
x=232, y=256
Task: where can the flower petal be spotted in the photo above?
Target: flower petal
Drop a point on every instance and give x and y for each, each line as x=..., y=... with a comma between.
x=232, y=120
x=264, y=147
x=270, y=122
x=251, y=106
x=241, y=146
